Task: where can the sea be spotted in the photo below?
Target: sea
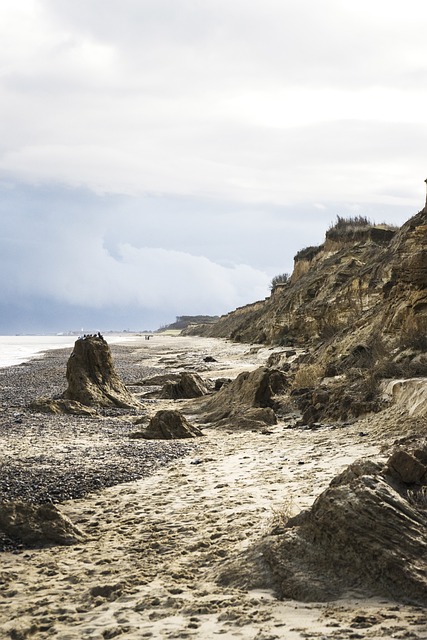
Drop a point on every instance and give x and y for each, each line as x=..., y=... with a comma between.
x=18, y=349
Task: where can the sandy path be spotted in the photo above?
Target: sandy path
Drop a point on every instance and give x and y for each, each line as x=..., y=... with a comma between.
x=154, y=546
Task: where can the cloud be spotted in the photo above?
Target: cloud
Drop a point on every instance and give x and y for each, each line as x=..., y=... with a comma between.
x=171, y=157
x=71, y=258
x=103, y=260
x=87, y=275
x=294, y=41
x=275, y=102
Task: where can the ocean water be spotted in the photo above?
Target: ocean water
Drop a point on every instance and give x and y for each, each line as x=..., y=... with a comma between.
x=18, y=349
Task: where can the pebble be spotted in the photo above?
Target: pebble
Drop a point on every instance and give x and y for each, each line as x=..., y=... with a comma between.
x=52, y=458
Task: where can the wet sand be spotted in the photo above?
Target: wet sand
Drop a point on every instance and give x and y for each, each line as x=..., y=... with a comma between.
x=155, y=545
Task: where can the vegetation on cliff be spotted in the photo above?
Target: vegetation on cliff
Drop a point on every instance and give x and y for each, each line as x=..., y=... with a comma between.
x=281, y=279
x=182, y=322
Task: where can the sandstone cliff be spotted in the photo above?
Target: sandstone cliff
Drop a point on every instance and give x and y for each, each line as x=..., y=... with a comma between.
x=363, y=279
x=357, y=308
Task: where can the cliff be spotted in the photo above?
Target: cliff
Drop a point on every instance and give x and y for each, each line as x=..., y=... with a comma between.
x=356, y=306
x=363, y=278
x=182, y=322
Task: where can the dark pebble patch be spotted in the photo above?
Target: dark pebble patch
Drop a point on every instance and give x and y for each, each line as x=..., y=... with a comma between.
x=52, y=458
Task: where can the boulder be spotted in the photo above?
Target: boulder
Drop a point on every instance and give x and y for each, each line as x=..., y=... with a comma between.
x=92, y=378
x=189, y=385
x=282, y=359
x=37, y=525
x=406, y=467
x=170, y=425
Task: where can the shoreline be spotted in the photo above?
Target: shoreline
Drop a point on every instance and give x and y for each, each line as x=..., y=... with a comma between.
x=154, y=547
x=21, y=349
x=92, y=453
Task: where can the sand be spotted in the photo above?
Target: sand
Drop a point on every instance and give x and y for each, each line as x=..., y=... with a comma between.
x=154, y=546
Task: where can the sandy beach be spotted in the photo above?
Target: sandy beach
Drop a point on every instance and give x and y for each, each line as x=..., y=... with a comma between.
x=161, y=519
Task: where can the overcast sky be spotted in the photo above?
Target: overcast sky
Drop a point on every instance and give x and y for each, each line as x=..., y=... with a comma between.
x=169, y=157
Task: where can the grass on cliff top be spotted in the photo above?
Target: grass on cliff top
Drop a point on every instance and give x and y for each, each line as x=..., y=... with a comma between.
x=355, y=226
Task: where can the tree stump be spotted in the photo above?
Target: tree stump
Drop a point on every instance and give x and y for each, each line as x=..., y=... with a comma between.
x=92, y=378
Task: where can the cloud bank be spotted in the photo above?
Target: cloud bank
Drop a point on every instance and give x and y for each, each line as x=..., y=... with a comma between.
x=161, y=158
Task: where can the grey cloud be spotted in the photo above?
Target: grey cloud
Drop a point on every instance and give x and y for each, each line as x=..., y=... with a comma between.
x=65, y=256
x=137, y=97
x=101, y=259
x=175, y=155
x=290, y=41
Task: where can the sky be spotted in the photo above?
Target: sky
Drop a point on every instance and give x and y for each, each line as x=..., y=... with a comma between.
x=169, y=157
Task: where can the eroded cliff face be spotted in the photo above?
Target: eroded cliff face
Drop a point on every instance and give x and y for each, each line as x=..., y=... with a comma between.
x=405, y=294
x=357, y=283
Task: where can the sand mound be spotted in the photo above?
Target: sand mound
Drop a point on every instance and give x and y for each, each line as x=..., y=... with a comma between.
x=158, y=380
x=254, y=419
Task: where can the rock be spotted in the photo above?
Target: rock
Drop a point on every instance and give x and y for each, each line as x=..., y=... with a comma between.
x=189, y=385
x=47, y=405
x=281, y=360
x=320, y=397
x=137, y=435
x=355, y=470
x=409, y=394
x=310, y=416
x=420, y=454
x=265, y=415
x=209, y=359
x=405, y=467
x=37, y=525
x=220, y=382
x=170, y=425
x=360, y=356
x=92, y=379
x=250, y=390
x=365, y=533
x=108, y=592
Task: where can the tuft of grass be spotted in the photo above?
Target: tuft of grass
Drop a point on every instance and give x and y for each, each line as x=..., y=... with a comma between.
x=308, y=375
x=308, y=253
x=281, y=516
x=350, y=223
x=282, y=278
